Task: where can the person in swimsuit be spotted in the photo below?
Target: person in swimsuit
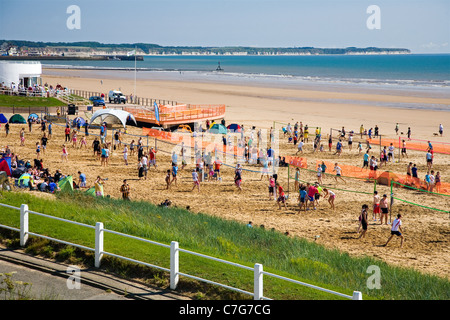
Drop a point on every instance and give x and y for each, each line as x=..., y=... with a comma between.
x=363, y=221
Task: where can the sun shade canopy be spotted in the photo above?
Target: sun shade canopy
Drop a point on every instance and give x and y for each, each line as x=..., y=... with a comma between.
x=113, y=116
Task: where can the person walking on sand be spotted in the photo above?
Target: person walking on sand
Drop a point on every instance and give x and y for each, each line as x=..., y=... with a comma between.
x=195, y=180
x=363, y=221
x=65, y=153
x=338, y=173
x=396, y=230
x=281, y=196
x=22, y=136
x=331, y=196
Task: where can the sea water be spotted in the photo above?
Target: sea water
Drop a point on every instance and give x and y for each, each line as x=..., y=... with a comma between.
x=425, y=75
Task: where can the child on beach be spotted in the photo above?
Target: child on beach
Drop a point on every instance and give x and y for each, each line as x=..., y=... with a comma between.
x=38, y=150
x=22, y=136
x=281, y=197
x=168, y=179
x=195, y=180
x=125, y=154
x=74, y=139
x=65, y=154
x=174, y=173
x=271, y=187
x=83, y=142
x=302, y=198
x=319, y=174
x=437, y=180
x=331, y=196
x=395, y=230
x=363, y=221
x=338, y=173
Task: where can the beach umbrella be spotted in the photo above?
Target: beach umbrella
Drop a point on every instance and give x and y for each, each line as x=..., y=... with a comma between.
x=234, y=127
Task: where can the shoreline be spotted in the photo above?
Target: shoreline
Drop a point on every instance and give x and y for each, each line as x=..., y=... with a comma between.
x=324, y=106
x=366, y=86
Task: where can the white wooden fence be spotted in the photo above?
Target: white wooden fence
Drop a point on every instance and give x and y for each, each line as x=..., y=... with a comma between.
x=174, y=256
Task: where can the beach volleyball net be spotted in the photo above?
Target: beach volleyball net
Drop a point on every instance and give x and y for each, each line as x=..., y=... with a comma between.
x=413, y=144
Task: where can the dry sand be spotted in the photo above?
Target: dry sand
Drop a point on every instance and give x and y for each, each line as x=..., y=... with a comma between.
x=426, y=231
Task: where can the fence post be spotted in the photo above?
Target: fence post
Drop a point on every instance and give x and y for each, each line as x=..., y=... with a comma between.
x=98, y=243
x=174, y=265
x=258, y=282
x=23, y=224
x=357, y=295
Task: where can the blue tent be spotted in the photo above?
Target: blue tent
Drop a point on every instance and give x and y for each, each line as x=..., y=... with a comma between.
x=234, y=127
x=3, y=118
x=78, y=119
x=34, y=116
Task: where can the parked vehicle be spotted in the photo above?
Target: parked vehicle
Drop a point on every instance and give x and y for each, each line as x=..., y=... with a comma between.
x=97, y=101
x=116, y=97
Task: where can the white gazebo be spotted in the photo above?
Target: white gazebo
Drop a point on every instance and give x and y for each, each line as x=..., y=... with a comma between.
x=23, y=73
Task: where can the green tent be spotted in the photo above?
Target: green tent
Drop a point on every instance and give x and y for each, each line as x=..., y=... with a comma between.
x=66, y=184
x=24, y=180
x=218, y=128
x=90, y=191
x=17, y=118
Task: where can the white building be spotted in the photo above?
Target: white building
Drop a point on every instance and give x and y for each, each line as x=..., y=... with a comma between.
x=24, y=73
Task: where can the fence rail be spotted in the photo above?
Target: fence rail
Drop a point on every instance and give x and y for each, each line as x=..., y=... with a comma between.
x=174, y=255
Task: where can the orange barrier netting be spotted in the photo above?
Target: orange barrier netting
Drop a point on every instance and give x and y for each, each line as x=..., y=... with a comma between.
x=212, y=146
x=384, y=177
x=414, y=144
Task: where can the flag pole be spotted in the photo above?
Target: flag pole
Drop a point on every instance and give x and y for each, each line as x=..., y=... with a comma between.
x=135, y=72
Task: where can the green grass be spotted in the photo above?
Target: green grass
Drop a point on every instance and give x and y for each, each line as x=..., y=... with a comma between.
x=287, y=256
x=22, y=101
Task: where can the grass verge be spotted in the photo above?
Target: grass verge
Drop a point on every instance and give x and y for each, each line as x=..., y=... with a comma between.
x=292, y=257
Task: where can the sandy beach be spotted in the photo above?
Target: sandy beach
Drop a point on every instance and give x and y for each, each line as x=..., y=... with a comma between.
x=426, y=231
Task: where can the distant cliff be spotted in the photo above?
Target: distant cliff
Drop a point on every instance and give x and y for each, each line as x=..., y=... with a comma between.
x=92, y=49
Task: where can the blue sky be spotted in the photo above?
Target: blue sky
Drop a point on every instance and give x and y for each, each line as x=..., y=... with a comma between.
x=420, y=25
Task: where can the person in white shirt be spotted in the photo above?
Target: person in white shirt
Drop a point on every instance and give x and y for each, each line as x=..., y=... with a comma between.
x=300, y=147
x=196, y=181
x=441, y=129
x=338, y=172
x=319, y=174
x=396, y=230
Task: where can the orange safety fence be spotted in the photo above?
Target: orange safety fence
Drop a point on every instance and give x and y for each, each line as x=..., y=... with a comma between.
x=384, y=177
x=179, y=112
x=297, y=162
x=414, y=144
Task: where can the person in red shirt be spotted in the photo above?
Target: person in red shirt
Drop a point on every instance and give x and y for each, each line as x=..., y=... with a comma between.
x=67, y=132
x=312, y=190
x=281, y=197
x=152, y=157
x=217, y=164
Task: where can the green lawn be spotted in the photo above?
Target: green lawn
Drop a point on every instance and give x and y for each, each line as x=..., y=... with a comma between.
x=287, y=256
x=22, y=101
